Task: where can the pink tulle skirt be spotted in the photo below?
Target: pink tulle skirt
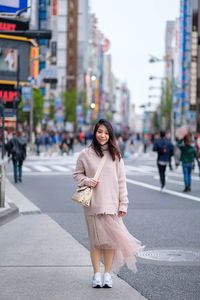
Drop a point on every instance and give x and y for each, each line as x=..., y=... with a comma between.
x=109, y=232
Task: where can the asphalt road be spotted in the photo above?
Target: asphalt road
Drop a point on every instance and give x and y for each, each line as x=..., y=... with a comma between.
x=162, y=221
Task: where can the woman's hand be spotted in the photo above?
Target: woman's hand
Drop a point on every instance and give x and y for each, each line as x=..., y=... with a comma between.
x=121, y=213
x=93, y=182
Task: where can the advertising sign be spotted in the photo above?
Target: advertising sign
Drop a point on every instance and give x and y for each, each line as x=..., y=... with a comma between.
x=12, y=6
x=8, y=59
x=12, y=52
x=34, y=62
x=12, y=25
x=26, y=97
x=8, y=93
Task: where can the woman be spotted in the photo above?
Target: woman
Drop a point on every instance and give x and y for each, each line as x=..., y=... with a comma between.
x=188, y=155
x=107, y=232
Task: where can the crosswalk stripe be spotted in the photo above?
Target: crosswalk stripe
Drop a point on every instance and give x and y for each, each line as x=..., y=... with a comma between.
x=41, y=168
x=60, y=168
x=26, y=169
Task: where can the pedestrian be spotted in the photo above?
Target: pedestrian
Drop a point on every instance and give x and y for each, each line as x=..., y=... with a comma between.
x=165, y=150
x=38, y=142
x=122, y=145
x=107, y=233
x=65, y=143
x=17, y=150
x=188, y=155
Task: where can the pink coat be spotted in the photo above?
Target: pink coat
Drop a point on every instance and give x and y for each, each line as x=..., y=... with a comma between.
x=110, y=194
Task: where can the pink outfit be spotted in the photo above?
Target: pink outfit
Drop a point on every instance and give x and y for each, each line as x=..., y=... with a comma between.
x=105, y=229
x=110, y=194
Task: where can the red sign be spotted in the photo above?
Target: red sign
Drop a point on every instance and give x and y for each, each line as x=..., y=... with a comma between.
x=54, y=7
x=8, y=123
x=8, y=96
x=7, y=26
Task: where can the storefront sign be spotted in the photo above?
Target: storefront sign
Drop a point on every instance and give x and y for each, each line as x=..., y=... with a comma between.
x=8, y=96
x=12, y=25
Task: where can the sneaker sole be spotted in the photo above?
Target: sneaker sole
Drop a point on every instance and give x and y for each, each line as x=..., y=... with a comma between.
x=106, y=286
x=96, y=286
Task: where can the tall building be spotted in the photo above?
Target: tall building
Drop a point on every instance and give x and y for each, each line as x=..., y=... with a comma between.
x=185, y=51
x=196, y=58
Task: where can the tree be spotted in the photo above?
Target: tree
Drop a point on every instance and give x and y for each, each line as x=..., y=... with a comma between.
x=69, y=104
x=166, y=104
x=156, y=121
x=37, y=109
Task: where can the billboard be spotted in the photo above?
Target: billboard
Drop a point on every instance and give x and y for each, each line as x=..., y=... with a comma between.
x=12, y=6
x=8, y=59
x=14, y=57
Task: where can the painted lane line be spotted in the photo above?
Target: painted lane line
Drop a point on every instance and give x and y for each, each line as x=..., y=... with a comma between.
x=155, y=188
x=169, y=180
x=172, y=180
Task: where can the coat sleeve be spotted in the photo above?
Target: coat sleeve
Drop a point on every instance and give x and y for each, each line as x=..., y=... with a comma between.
x=79, y=173
x=123, y=193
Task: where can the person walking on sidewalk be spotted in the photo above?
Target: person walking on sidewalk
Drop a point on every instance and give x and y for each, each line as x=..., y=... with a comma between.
x=107, y=233
x=17, y=150
x=188, y=155
x=165, y=150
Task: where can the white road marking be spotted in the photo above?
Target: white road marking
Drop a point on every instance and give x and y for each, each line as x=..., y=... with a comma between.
x=26, y=169
x=50, y=173
x=42, y=168
x=60, y=168
x=170, y=180
x=155, y=188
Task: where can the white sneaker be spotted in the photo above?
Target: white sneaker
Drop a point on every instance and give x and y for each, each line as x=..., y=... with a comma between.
x=96, y=280
x=163, y=189
x=107, y=280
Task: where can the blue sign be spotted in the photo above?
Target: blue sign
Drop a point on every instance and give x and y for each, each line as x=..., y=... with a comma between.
x=26, y=97
x=12, y=6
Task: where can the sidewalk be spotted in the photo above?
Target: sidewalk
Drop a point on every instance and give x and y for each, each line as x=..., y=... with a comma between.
x=41, y=261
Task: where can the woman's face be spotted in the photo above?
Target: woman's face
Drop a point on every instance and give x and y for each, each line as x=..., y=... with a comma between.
x=102, y=135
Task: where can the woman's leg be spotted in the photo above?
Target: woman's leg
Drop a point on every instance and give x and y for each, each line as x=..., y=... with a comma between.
x=95, y=255
x=185, y=175
x=161, y=170
x=189, y=176
x=15, y=170
x=20, y=170
x=108, y=256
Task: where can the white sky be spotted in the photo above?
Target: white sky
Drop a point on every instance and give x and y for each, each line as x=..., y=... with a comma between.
x=136, y=28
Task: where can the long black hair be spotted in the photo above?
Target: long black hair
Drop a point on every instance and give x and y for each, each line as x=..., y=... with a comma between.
x=112, y=145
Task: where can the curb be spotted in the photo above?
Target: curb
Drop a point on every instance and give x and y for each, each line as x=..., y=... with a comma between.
x=9, y=213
